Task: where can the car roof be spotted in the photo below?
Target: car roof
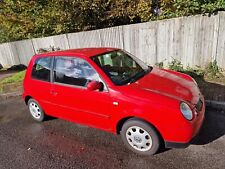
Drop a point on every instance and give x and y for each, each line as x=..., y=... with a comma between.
x=84, y=52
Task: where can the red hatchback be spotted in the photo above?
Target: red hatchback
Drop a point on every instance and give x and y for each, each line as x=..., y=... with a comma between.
x=112, y=90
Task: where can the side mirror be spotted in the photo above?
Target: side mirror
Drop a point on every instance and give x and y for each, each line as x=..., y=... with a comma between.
x=94, y=85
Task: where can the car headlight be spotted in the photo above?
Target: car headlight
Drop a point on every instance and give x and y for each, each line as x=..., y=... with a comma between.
x=186, y=111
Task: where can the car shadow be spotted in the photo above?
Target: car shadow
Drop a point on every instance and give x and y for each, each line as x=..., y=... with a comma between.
x=212, y=129
x=50, y=118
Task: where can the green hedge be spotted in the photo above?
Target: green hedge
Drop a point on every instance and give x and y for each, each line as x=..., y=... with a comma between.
x=22, y=19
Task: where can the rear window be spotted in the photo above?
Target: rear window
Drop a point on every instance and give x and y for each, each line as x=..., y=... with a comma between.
x=41, y=69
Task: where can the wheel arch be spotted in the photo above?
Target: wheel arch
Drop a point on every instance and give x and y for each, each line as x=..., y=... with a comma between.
x=27, y=98
x=122, y=121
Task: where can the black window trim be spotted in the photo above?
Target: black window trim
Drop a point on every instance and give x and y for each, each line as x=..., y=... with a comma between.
x=52, y=71
x=52, y=80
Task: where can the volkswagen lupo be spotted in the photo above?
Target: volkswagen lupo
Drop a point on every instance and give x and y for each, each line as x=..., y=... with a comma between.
x=112, y=90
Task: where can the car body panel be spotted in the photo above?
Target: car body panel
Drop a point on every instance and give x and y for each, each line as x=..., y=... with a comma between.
x=161, y=81
x=81, y=106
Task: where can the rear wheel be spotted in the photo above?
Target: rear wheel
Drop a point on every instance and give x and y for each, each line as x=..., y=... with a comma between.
x=36, y=111
x=140, y=137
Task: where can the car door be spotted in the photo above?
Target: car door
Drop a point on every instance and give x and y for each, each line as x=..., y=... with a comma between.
x=72, y=99
x=40, y=83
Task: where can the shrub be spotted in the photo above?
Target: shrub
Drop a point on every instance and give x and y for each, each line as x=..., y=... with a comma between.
x=176, y=65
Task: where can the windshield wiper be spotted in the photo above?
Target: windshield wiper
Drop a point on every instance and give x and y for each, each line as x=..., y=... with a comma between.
x=140, y=75
x=137, y=76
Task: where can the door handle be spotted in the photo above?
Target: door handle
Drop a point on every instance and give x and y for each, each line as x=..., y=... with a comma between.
x=54, y=93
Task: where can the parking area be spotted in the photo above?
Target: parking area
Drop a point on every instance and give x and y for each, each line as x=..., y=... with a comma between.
x=60, y=144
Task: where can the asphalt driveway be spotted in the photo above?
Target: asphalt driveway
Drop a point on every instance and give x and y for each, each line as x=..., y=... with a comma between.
x=59, y=144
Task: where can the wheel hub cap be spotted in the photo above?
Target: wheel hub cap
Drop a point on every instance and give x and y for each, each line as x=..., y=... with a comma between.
x=139, y=138
x=35, y=110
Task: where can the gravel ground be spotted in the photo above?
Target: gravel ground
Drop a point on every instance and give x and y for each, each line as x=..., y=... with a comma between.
x=60, y=144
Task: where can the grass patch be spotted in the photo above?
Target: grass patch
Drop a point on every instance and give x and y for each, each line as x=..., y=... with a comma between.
x=12, y=83
x=16, y=78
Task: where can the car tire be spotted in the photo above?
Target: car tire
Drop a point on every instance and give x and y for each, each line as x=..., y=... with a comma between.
x=140, y=137
x=36, y=111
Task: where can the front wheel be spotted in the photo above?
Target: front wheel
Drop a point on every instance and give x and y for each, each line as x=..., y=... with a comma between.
x=140, y=137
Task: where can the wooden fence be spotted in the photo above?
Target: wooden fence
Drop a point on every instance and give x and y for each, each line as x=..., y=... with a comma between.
x=194, y=40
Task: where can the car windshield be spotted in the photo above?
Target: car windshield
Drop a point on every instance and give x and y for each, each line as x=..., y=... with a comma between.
x=121, y=67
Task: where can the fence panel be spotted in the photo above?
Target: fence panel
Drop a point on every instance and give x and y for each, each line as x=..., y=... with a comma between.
x=23, y=50
x=131, y=39
x=6, y=55
x=112, y=37
x=85, y=39
x=59, y=41
x=194, y=40
x=220, y=54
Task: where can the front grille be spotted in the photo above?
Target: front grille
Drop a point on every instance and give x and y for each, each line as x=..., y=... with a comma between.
x=199, y=105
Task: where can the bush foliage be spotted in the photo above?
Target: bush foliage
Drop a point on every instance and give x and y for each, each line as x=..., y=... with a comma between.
x=22, y=19
x=211, y=72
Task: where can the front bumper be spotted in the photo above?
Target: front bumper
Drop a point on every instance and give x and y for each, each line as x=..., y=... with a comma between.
x=191, y=131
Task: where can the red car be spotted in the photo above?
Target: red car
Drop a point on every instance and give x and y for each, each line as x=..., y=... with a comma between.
x=112, y=90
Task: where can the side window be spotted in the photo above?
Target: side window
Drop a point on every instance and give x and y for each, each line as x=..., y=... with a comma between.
x=41, y=69
x=73, y=71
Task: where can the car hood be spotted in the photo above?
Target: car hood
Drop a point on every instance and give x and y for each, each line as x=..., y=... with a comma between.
x=169, y=84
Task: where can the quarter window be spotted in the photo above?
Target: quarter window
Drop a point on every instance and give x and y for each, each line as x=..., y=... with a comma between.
x=73, y=71
x=41, y=69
